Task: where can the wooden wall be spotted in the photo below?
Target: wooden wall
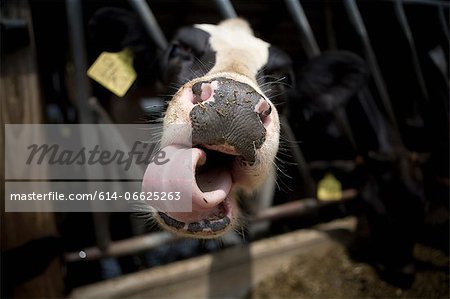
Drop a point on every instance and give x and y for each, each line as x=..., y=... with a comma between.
x=21, y=104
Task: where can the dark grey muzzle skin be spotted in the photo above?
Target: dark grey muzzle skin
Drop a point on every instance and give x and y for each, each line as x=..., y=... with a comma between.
x=230, y=119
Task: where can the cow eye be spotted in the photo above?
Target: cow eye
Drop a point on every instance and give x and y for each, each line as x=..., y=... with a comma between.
x=180, y=51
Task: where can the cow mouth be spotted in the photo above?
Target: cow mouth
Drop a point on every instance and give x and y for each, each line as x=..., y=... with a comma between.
x=212, y=200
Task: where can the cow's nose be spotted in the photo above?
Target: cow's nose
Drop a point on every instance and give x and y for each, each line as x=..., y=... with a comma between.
x=229, y=113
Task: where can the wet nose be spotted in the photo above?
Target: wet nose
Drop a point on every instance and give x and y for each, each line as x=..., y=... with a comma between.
x=229, y=113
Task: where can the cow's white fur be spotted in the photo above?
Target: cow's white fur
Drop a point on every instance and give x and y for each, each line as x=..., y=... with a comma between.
x=237, y=49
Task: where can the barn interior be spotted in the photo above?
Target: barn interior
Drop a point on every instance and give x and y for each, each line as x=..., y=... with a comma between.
x=360, y=204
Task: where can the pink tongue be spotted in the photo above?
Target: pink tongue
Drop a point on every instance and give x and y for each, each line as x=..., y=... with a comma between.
x=207, y=189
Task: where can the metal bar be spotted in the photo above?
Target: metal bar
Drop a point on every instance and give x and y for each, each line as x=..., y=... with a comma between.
x=300, y=207
x=400, y=12
x=150, y=23
x=358, y=24
x=226, y=9
x=122, y=247
x=300, y=20
x=86, y=114
x=82, y=89
x=146, y=242
x=331, y=34
x=424, y=2
x=443, y=22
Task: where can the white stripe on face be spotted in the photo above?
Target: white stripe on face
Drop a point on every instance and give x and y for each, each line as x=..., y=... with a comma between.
x=237, y=49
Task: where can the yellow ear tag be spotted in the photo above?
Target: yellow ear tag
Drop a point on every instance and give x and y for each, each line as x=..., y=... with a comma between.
x=114, y=71
x=329, y=188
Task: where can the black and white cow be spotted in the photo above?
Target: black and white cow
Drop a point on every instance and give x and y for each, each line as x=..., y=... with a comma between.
x=235, y=126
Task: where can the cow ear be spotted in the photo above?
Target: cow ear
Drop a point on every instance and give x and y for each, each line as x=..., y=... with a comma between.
x=331, y=79
x=113, y=29
x=189, y=55
x=110, y=29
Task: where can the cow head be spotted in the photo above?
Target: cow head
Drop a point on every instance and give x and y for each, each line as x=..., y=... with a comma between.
x=233, y=124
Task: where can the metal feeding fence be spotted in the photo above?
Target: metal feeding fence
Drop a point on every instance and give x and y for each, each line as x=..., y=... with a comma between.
x=312, y=50
x=376, y=104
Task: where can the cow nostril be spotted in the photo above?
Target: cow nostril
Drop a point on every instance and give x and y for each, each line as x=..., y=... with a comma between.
x=266, y=113
x=204, y=91
x=207, y=91
x=263, y=109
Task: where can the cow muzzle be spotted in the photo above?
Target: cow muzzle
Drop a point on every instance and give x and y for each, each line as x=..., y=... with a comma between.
x=229, y=122
x=229, y=116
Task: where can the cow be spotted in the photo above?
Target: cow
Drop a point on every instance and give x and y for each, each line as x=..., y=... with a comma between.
x=235, y=126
